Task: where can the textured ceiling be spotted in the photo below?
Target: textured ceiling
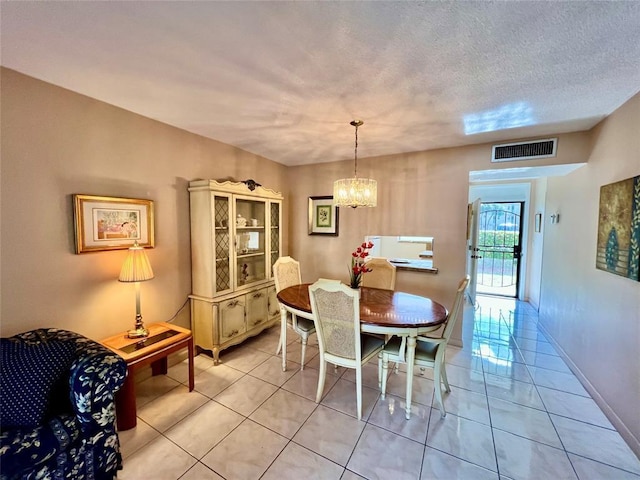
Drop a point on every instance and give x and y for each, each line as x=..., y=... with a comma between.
x=284, y=79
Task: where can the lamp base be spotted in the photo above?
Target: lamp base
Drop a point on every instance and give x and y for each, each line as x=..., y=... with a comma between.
x=139, y=331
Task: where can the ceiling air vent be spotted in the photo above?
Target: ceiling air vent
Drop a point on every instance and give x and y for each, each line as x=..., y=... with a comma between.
x=509, y=152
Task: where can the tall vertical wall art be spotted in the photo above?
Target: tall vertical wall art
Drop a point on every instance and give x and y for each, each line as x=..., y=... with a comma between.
x=619, y=228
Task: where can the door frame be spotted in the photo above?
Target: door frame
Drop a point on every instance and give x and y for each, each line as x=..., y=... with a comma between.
x=519, y=258
x=510, y=192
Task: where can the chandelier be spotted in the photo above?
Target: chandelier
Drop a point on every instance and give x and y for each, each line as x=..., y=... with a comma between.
x=355, y=192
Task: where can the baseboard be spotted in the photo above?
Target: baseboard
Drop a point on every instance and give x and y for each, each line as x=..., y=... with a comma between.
x=626, y=434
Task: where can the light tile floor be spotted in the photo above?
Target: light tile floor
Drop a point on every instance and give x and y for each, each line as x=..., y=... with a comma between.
x=515, y=412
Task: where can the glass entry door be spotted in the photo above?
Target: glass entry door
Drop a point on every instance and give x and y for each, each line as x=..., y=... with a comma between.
x=499, y=248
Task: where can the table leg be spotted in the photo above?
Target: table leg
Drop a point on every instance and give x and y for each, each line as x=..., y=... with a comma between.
x=283, y=337
x=411, y=353
x=126, y=403
x=159, y=367
x=190, y=348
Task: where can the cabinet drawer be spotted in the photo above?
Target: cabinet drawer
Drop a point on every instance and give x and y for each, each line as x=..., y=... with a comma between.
x=232, y=319
x=273, y=306
x=256, y=308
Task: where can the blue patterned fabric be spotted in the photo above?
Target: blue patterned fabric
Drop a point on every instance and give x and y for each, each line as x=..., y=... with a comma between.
x=81, y=442
x=28, y=373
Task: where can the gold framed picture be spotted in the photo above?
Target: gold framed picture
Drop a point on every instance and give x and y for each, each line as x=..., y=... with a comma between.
x=112, y=223
x=323, y=216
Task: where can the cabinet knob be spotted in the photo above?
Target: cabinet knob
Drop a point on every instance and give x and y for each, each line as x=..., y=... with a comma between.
x=257, y=295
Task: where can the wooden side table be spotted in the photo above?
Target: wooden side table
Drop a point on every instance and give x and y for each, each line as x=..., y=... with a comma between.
x=163, y=340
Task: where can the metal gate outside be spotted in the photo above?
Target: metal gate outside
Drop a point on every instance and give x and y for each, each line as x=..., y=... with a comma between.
x=499, y=248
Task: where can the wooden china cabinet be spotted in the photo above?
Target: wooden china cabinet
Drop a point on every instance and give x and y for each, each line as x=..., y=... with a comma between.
x=236, y=237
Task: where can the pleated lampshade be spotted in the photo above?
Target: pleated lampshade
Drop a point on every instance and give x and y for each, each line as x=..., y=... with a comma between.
x=136, y=267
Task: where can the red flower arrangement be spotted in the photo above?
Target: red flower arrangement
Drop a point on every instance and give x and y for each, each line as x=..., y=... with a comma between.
x=358, y=267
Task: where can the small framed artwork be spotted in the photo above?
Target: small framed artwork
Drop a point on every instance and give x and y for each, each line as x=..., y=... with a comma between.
x=538, y=222
x=112, y=223
x=323, y=216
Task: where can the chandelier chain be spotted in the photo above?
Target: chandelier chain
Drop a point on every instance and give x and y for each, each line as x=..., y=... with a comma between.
x=355, y=169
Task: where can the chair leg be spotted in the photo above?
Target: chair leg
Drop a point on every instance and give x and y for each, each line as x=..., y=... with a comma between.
x=359, y=390
x=283, y=337
x=305, y=339
x=438, y=387
x=385, y=371
x=279, y=345
x=444, y=378
x=380, y=370
x=321, y=378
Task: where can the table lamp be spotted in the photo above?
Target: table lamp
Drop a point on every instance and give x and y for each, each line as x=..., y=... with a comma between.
x=136, y=268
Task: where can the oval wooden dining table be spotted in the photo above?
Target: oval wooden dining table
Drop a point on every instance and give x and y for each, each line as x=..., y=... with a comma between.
x=385, y=312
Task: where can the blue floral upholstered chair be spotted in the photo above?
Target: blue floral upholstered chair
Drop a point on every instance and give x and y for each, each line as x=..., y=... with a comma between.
x=57, y=407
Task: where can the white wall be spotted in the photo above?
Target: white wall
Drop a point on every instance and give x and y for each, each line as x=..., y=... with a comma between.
x=594, y=316
x=536, y=242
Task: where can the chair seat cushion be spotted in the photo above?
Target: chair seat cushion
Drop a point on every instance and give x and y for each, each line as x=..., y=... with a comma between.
x=28, y=373
x=305, y=324
x=425, y=351
x=392, y=347
x=370, y=344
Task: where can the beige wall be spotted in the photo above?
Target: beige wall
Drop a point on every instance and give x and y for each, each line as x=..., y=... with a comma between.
x=56, y=143
x=423, y=193
x=593, y=315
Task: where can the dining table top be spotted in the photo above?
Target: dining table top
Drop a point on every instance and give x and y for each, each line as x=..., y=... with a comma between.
x=378, y=307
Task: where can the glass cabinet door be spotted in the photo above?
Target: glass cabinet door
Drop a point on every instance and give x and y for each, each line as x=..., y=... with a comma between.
x=274, y=245
x=250, y=219
x=222, y=241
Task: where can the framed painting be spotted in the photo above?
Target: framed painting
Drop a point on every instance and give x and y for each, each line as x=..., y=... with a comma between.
x=112, y=223
x=323, y=216
x=618, y=247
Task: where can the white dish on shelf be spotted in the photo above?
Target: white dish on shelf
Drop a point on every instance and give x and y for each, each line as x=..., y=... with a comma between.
x=399, y=260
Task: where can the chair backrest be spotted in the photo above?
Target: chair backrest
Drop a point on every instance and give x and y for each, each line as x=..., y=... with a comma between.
x=336, y=312
x=286, y=272
x=382, y=274
x=454, y=313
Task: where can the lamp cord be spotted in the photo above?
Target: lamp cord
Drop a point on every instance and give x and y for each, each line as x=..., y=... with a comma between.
x=178, y=312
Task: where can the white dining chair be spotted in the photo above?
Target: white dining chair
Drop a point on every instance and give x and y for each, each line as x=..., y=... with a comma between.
x=382, y=274
x=430, y=351
x=336, y=312
x=286, y=272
